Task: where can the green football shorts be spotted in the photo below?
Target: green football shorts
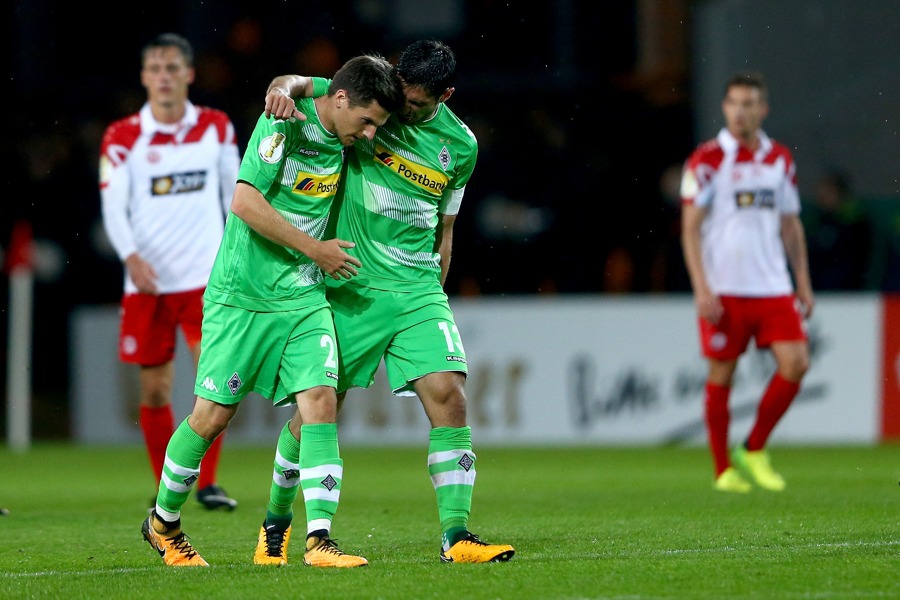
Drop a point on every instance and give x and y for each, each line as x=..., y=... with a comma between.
x=275, y=354
x=413, y=331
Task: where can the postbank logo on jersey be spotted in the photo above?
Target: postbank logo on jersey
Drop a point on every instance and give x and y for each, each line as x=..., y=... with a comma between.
x=423, y=177
x=759, y=198
x=178, y=183
x=316, y=186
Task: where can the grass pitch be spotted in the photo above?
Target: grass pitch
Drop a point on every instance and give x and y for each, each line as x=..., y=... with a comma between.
x=625, y=523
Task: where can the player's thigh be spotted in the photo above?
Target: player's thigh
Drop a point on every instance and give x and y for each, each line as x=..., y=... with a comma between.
x=792, y=358
x=240, y=352
x=146, y=330
x=429, y=342
x=310, y=356
x=188, y=308
x=779, y=320
x=364, y=322
x=727, y=339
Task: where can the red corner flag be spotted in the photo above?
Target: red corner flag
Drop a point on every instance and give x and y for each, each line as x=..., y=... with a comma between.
x=20, y=251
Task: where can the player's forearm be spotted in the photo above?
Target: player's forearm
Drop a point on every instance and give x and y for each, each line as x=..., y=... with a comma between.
x=443, y=243
x=691, y=244
x=253, y=209
x=117, y=226
x=794, y=240
x=292, y=85
x=693, y=262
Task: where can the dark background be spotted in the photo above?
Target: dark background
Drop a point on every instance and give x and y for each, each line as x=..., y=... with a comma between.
x=584, y=111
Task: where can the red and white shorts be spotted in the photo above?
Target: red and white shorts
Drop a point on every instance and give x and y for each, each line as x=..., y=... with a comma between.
x=765, y=320
x=149, y=325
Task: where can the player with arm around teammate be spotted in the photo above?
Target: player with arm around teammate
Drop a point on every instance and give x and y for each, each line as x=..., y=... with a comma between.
x=267, y=327
x=400, y=196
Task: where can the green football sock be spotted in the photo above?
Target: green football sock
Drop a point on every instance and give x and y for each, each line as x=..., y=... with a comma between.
x=451, y=464
x=285, y=477
x=180, y=471
x=321, y=473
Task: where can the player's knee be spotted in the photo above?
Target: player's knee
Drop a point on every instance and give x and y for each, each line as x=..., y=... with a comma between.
x=795, y=367
x=156, y=395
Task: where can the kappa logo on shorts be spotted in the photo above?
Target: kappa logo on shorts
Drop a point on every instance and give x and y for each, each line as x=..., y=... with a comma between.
x=209, y=385
x=234, y=384
x=331, y=375
x=459, y=359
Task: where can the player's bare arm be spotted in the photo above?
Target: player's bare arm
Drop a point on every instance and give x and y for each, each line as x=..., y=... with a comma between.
x=708, y=305
x=281, y=93
x=252, y=208
x=794, y=240
x=443, y=242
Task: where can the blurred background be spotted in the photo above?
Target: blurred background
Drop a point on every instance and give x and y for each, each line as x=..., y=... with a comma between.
x=584, y=111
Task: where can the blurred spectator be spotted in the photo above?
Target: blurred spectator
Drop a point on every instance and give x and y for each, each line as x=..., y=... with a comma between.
x=618, y=271
x=839, y=236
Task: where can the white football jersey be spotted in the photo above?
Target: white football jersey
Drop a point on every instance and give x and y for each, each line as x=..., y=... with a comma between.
x=166, y=190
x=745, y=193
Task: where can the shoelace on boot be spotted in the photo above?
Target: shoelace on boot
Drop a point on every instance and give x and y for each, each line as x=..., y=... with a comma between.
x=329, y=545
x=275, y=541
x=181, y=544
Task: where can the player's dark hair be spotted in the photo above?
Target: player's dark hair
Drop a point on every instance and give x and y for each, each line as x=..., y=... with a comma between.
x=428, y=64
x=752, y=79
x=369, y=77
x=170, y=40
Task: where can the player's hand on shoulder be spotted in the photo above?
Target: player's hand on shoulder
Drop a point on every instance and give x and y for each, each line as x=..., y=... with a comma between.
x=334, y=260
x=281, y=106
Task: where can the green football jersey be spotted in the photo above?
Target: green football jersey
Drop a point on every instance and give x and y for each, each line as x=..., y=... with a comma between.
x=296, y=166
x=393, y=190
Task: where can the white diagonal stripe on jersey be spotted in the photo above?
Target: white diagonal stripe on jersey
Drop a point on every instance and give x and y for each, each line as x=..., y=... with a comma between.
x=410, y=259
x=289, y=172
x=312, y=227
x=293, y=166
x=388, y=142
x=456, y=477
x=308, y=274
x=312, y=132
x=447, y=456
x=404, y=209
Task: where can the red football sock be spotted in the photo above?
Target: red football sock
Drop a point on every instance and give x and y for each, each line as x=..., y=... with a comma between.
x=774, y=404
x=157, y=423
x=717, y=421
x=210, y=463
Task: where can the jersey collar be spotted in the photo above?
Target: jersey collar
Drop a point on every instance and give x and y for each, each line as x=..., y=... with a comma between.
x=151, y=125
x=729, y=143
